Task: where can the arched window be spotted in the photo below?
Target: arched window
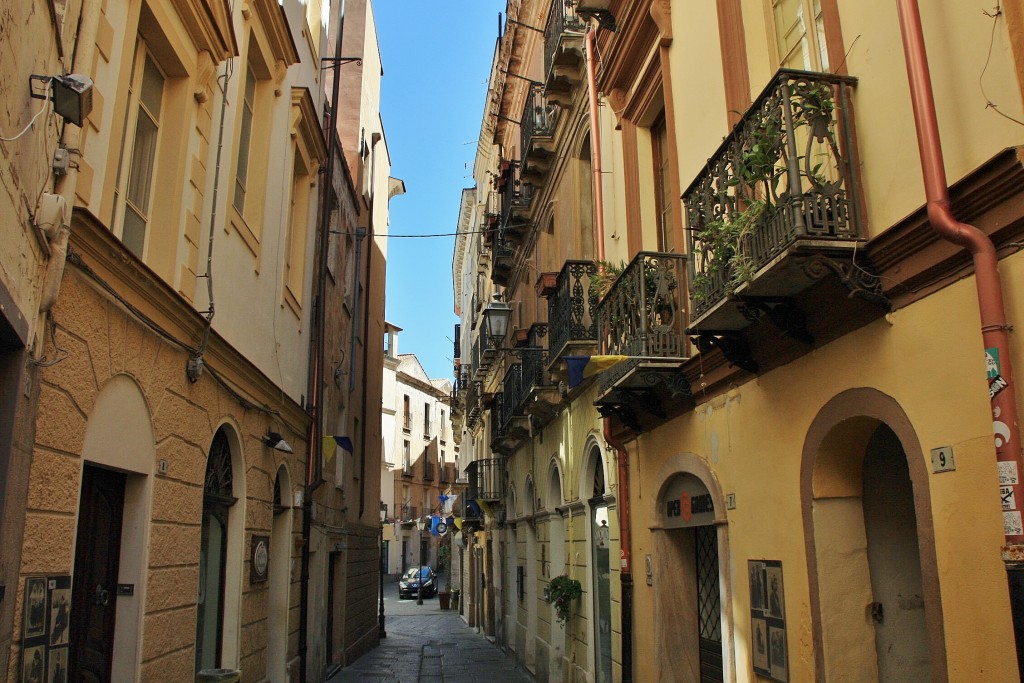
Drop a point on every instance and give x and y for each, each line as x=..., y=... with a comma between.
x=217, y=499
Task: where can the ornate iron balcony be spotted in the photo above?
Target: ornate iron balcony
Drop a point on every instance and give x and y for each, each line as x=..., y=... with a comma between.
x=642, y=314
x=515, y=196
x=486, y=480
x=538, y=120
x=563, y=25
x=572, y=308
x=784, y=176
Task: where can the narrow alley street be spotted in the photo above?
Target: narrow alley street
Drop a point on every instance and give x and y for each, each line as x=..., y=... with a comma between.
x=426, y=644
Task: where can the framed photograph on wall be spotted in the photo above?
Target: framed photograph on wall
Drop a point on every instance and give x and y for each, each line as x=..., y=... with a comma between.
x=35, y=607
x=33, y=664
x=768, y=620
x=60, y=616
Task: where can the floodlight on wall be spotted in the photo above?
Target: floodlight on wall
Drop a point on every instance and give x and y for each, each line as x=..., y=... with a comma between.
x=71, y=95
x=277, y=442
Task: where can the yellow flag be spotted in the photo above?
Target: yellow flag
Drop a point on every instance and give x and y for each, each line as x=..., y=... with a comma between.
x=329, y=447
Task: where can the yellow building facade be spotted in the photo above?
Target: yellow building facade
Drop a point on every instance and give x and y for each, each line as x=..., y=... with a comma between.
x=164, y=505
x=818, y=485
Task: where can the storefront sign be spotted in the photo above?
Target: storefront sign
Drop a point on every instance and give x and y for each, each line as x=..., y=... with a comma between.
x=686, y=503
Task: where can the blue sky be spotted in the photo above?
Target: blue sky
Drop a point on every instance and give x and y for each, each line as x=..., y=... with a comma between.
x=437, y=59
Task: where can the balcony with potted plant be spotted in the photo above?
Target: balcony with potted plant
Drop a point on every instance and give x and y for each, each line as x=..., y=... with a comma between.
x=572, y=310
x=641, y=316
x=775, y=224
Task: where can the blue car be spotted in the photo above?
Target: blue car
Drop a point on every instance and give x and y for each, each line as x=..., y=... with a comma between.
x=409, y=584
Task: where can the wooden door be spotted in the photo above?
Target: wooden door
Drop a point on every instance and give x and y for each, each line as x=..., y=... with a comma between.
x=94, y=587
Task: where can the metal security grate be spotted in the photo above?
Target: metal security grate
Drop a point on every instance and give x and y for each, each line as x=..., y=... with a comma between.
x=709, y=606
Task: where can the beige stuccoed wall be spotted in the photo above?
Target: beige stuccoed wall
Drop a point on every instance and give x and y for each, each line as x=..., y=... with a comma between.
x=107, y=348
x=752, y=438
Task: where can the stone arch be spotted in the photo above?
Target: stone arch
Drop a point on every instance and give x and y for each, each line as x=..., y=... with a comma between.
x=226, y=434
x=831, y=475
x=531, y=492
x=594, y=473
x=120, y=435
x=279, y=575
x=555, y=496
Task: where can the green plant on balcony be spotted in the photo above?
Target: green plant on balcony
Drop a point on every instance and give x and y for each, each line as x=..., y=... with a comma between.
x=725, y=252
x=607, y=273
x=562, y=593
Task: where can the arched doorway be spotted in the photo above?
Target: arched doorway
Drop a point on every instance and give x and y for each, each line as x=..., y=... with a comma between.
x=600, y=563
x=557, y=552
x=870, y=549
x=689, y=568
x=280, y=578
x=217, y=599
x=691, y=572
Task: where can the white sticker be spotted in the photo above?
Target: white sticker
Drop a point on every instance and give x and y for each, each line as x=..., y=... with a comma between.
x=1009, y=502
x=1012, y=524
x=1008, y=473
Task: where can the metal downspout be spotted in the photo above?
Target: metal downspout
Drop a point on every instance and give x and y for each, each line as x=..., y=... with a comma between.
x=314, y=447
x=622, y=457
x=994, y=328
x=595, y=143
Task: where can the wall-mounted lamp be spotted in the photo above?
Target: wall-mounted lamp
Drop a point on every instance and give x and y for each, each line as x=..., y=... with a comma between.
x=497, y=315
x=277, y=442
x=71, y=95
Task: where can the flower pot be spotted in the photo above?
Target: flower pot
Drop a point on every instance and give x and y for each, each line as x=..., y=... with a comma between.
x=444, y=599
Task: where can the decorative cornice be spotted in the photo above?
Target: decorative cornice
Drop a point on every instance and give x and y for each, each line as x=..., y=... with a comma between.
x=305, y=128
x=279, y=34
x=661, y=12
x=208, y=23
x=911, y=258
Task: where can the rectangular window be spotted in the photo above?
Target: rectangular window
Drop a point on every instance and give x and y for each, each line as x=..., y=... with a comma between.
x=245, y=139
x=134, y=192
x=799, y=34
x=662, y=185
x=426, y=420
x=406, y=457
x=407, y=419
x=295, y=247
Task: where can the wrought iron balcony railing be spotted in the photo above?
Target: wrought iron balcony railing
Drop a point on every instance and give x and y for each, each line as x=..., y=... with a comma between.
x=562, y=19
x=472, y=404
x=486, y=480
x=538, y=120
x=497, y=418
x=408, y=512
x=785, y=173
x=511, y=393
x=407, y=469
x=572, y=308
x=428, y=470
x=534, y=361
x=515, y=195
x=642, y=314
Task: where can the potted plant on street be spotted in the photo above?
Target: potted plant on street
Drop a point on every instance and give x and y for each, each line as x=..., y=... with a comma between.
x=562, y=593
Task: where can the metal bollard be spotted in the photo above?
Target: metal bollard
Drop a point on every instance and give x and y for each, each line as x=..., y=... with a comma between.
x=219, y=676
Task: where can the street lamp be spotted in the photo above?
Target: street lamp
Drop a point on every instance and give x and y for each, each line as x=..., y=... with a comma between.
x=420, y=524
x=381, y=633
x=496, y=319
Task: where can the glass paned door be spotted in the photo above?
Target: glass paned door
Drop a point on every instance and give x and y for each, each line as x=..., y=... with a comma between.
x=709, y=605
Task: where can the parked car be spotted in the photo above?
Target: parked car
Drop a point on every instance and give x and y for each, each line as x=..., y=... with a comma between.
x=409, y=584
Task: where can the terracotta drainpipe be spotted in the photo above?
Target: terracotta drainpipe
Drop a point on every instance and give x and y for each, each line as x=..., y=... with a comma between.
x=595, y=143
x=622, y=457
x=994, y=329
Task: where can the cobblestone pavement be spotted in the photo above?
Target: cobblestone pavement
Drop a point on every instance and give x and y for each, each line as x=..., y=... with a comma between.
x=428, y=645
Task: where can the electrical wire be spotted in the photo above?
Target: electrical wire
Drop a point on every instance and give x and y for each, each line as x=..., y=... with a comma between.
x=46, y=105
x=436, y=234
x=75, y=259
x=989, y=104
